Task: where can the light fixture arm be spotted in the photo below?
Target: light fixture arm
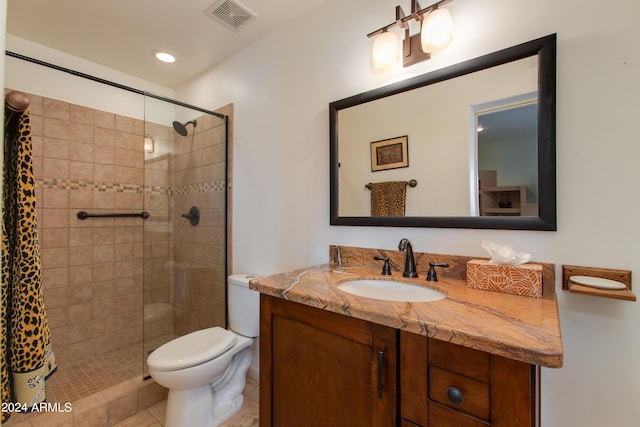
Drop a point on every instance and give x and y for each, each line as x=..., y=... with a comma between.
x=412, y=45
x=400, y=16
x=402, y=19
x=415, y=8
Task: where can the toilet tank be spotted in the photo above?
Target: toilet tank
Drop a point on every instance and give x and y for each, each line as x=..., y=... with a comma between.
x=244, y=305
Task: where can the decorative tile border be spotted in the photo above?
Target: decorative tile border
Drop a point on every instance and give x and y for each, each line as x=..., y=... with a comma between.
x=157, y=189
x=88, y=185
x=206, y=187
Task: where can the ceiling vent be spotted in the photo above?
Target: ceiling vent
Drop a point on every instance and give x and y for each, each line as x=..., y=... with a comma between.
x=230, y=13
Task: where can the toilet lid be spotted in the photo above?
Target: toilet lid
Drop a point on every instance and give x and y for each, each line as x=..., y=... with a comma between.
x=191, y=349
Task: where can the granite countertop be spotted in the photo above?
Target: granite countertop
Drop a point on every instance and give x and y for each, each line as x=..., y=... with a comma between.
x=517, y=327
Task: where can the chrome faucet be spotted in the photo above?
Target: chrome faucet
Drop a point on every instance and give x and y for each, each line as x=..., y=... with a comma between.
x=409, y=260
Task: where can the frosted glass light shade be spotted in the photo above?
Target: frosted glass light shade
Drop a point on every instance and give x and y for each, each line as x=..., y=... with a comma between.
x=437, y=30
x=386, y=50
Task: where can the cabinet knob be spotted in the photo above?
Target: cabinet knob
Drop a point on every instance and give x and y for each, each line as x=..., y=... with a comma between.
x=455, y=396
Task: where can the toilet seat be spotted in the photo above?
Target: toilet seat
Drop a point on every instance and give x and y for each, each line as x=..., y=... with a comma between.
x=191, y=349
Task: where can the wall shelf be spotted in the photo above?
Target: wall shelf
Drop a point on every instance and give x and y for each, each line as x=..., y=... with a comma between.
x=491, y=195
x=623, y=276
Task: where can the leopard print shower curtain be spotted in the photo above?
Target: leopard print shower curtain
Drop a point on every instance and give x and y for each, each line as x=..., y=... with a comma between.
x=27, y=359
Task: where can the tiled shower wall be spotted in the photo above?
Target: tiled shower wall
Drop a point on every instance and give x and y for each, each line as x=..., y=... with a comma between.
x=158, y=248
x=184, y=265
x=198, y=180
x=89, y=160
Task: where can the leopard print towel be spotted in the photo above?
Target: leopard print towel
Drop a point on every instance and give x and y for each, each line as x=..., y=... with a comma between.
x=27, y=359
x=388, y=198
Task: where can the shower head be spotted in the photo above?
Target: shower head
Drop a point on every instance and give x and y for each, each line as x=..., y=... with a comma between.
x=182, y=128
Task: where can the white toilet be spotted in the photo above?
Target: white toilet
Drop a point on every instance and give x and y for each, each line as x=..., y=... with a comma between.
x=205, y=371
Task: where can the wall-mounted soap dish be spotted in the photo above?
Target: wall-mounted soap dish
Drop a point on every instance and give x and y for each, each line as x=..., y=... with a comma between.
x=598, y=282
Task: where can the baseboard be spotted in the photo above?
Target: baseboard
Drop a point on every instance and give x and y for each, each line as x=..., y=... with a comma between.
x=254, y=373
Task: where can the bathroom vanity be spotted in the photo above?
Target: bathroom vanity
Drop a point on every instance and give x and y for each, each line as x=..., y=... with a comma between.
x=328, y=357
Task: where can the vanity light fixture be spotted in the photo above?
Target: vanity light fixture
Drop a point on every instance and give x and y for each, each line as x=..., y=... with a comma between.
x=435, y=34
x=437, y=30
x=386, y=50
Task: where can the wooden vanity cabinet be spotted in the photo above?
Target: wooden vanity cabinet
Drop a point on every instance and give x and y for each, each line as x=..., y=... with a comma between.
x=319, y=368
x=447, y=385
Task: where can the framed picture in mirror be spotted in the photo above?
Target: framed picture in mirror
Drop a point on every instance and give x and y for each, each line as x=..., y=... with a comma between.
x=390, y=153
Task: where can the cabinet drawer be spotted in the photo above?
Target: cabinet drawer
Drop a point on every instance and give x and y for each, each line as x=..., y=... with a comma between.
x=439, y=416
x=462, y=360
x=459, y=392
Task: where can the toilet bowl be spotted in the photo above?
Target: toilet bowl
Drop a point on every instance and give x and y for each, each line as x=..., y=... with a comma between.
x=205, y=371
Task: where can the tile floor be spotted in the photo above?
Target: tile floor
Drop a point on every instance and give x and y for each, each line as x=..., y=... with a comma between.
x=247, y=417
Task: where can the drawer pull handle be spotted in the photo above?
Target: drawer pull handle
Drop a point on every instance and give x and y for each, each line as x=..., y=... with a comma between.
x=455, y=396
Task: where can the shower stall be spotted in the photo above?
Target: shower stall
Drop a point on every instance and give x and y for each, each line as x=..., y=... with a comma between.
x=117, y=287
x=184, y=279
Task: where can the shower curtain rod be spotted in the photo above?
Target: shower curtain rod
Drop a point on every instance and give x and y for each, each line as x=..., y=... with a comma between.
x=110, y=83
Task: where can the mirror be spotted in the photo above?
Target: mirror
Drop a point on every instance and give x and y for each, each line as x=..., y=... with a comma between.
x=477, y=137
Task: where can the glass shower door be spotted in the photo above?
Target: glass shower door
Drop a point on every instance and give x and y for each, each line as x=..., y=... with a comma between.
x=185, y=236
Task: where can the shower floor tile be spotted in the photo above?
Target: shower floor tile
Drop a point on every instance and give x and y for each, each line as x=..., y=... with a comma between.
x=78, y=380
x=75, y=381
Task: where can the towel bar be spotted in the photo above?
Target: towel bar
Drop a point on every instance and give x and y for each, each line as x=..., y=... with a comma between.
x=411, y=183
x=85, y=215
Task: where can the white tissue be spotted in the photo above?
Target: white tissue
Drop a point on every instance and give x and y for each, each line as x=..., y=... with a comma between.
x=505, y=254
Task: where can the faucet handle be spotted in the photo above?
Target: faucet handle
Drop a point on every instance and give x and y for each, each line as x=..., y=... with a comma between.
x=431, y=275
x=386, y=270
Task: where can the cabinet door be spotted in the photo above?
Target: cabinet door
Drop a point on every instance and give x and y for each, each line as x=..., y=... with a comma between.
x=323, y=369
x=515, y=393
x=413, y=380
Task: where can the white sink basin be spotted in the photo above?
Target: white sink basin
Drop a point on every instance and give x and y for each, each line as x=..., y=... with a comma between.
x=390, y=290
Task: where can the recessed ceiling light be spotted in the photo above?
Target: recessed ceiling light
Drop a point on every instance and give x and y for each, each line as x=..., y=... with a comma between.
x=163, y=56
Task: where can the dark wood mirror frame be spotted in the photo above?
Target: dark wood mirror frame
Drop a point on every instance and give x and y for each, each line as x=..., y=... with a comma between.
x=545, y=48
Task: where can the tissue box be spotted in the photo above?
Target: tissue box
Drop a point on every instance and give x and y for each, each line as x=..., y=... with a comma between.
x=525, y=279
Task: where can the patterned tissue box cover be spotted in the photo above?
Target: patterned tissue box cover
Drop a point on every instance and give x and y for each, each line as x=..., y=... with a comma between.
x=525, y=279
